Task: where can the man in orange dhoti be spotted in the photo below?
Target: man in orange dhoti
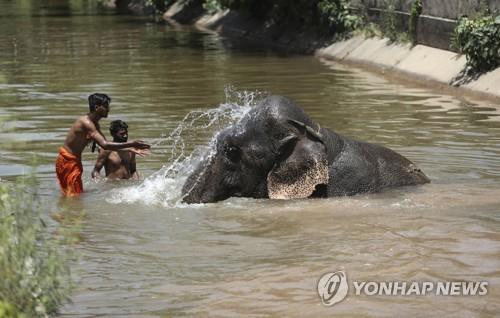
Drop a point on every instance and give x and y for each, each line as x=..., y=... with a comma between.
x=86, y=128
x=69, y=172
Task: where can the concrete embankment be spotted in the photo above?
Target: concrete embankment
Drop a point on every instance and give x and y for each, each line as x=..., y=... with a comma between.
x=419, y=63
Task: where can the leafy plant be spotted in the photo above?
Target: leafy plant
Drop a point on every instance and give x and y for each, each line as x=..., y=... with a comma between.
x=35, y=278
x=479, y=40
x=157, y=6
x=9, y=311
x=331, y=16
x=370, y=30
x=212, y=6
x=336, y=14
x=416, y=11
x=388, y=21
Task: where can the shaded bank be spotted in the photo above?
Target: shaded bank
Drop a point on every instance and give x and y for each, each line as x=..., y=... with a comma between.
x=421, y=63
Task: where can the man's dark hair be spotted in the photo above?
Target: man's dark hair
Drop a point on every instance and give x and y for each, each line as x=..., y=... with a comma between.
x=97, y=99
x=116, y=125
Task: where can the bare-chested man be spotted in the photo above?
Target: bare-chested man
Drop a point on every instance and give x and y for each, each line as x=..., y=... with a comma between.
x=85, y=129
x=117, y=164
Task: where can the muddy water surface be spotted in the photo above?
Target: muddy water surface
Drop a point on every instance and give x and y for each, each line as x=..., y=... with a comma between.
x=144, y=255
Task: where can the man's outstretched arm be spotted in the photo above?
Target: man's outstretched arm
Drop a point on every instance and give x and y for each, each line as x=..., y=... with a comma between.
x=98, y=137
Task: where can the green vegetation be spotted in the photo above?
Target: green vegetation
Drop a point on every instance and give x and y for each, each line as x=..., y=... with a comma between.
x=35, y=278
x=391, y=29
x=9, y=311
x=479, y=39
x=212, y=6
x=416, y=11
x=337, y=15
x=389, y=26
x=158, y=5
x=370, y=30
x=328, y=16
x=388, y=21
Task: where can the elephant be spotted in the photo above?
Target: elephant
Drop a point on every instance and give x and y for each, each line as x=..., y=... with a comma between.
x=277, y=151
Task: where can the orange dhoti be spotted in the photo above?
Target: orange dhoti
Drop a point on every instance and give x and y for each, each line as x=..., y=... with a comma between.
x=69, y=171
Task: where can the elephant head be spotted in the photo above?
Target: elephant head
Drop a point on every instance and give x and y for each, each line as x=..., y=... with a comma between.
x=274, y=151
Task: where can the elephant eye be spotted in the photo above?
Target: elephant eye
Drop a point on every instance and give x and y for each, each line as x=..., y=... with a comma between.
x=233, y=153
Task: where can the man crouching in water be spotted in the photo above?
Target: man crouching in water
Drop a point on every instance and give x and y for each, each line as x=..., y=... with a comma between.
x=117, y=164
x=85, y=129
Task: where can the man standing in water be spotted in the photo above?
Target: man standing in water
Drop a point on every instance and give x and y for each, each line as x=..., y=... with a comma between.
x=117, y=164
x=86, y=128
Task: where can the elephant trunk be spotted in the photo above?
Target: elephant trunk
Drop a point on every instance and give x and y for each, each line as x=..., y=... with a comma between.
x=196, y=188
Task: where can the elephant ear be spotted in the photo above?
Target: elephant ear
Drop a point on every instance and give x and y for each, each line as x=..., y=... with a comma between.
x=301, y=165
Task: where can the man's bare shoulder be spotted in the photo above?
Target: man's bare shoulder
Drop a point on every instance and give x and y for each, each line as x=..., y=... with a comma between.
x=86, y=122
x=82, y=123
x=88, y=126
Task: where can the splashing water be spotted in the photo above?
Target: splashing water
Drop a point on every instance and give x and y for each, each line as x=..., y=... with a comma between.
x=164, y=186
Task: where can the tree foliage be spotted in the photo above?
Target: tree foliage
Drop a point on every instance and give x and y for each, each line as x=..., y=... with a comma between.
x=479, y=40
x=332, y=16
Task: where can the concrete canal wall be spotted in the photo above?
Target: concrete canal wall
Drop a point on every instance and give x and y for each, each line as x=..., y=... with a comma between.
x=437, y=21
x=422, y=63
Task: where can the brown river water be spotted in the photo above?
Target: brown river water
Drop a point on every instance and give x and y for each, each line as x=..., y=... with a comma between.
x=143, y=254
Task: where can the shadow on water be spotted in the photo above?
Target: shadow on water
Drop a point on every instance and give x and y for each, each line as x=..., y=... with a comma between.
x=52, y=8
